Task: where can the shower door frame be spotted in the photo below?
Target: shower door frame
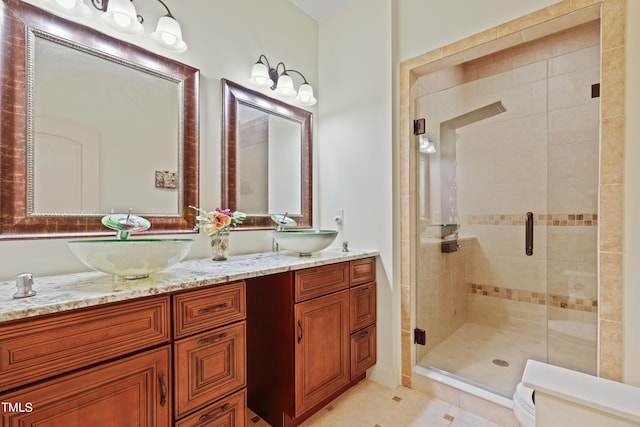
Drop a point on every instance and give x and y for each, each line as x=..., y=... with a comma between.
x=557, y=17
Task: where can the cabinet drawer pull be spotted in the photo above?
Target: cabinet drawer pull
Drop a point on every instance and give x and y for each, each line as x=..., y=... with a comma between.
x=364, y=291
x=163, y=389
x=300, y=331
x=212, y=340
x=363, y=335
x=213, y=309
x=222, y=410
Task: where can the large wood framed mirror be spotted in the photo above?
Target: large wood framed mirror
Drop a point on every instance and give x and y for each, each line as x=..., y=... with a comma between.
x=90, y=125
x=266, y=159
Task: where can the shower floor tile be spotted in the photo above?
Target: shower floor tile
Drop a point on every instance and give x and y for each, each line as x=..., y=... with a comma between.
x=478, y=354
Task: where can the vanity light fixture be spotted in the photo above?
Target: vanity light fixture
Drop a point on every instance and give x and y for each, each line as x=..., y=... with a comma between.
x=262, y=74
x=68, y=7
x=121, y=15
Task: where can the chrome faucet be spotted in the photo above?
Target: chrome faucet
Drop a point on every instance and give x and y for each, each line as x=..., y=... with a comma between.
x=125, y=224
x=24, y=283
x=281, y=222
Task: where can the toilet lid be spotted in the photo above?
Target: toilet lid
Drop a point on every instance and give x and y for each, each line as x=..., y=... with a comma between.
x=524, y=397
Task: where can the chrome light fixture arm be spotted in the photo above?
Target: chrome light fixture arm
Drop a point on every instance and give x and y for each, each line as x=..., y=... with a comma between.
x=263, y=74
x=168, y=33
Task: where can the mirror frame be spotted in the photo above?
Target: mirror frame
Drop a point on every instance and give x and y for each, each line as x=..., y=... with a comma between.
x=234, y=94
x=17, y=20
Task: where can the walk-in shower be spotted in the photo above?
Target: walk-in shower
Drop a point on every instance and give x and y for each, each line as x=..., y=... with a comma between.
x=517, y=134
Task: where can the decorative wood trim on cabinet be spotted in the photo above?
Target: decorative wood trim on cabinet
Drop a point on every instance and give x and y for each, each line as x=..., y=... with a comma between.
x=363, y=350
x=35, y=349
x=228, y=412
x=201, y=310
x=362, y=302
x=209, y=366
x=362, y=271
x=318, y=281
x=134, y=391
x=322, y=349
x=299, y=338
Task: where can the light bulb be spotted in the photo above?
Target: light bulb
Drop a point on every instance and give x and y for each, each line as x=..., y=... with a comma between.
x=285, y=86
x=168, y=34
x=305, y=95
x=260, y=75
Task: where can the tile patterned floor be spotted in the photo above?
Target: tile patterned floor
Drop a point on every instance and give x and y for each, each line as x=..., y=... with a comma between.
x=369, y=404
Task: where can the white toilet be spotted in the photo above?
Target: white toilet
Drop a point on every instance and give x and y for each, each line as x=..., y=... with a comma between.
x=524, y=406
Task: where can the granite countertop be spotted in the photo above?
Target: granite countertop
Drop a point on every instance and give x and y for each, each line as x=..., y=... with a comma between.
x=71, y=291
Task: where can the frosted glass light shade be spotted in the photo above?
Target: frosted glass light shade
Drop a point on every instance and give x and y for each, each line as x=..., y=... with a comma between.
x=260, y=75
x=285, y=86
x=305, y=95
x=122, y=16
x=68, y=7
x=168, y=34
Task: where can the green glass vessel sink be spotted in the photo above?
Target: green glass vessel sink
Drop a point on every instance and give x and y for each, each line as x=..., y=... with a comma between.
x=131, y=259
x=304, y=242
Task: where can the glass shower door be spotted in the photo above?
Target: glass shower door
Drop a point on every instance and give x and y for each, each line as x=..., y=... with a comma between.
x=501, y=153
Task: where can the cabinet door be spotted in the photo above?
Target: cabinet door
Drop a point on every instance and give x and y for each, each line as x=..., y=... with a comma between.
x=208, y=366
x=132, y=392
x=322, y=349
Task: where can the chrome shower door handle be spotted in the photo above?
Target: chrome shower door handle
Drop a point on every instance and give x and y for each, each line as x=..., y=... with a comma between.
x=528, y=238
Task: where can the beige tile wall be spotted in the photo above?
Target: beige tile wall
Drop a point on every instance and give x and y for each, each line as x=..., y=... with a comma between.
x=559, y=17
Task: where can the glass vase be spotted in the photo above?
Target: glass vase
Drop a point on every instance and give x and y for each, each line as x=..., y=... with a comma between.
x=220, y=245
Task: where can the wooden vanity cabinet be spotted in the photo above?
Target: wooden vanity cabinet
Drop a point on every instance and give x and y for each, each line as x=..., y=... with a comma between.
x=300, y=339
x=102, y=366
x=210, y=356
x=362, y=316
x=134, y=391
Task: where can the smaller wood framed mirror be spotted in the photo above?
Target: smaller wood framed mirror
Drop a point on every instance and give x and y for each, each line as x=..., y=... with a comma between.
x=266, y=159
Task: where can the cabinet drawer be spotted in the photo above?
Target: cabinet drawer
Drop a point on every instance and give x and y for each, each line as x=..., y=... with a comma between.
x=363, y=350
x=205, y=309
x=228, y=412
x=35, y=349
x=208, y=366
x=363, y=271
x=362, y=306
x=134, y=391
x=317, y=281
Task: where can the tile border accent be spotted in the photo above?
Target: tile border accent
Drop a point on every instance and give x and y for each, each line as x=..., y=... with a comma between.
x=566, y=302
x=549, y=220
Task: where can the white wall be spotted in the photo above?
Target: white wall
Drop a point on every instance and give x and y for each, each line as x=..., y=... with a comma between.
x=225, y=38
x=632, y=201
x=355, y=151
